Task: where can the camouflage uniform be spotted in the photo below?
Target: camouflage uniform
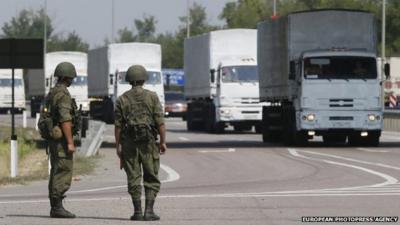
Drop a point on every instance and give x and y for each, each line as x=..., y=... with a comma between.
x=61, y=104
x=138, y=154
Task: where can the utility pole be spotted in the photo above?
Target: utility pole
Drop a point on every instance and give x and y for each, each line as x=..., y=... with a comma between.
x=274, y=8
x=383, y=54
x=112, y=20
x=187, y=18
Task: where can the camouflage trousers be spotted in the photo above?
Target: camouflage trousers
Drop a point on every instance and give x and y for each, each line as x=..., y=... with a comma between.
x=61, y=169
x=142, y=160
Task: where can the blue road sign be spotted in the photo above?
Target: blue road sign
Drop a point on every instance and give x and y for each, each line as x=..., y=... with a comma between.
x=176, y=77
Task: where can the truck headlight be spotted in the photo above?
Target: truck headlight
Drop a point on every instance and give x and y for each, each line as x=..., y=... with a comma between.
x=309, y=117
x=225, y=112
x=372, y=117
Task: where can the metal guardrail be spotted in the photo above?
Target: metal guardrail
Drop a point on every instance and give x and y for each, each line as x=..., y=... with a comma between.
x=94, y=137
x=391, y=120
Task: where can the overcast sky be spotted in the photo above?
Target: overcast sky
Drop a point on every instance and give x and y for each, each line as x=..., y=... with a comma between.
x=91, y=19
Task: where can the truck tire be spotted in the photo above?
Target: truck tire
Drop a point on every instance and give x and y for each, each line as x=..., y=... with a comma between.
x=211, y=124
x=258, y=128
x=272, y=127
x=108, y=111
x=373, y=139
x=290, y=134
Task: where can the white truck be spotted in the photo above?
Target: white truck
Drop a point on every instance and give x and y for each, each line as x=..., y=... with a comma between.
x=221, y=81
x=318, y=70
x=6, y=91
x=107, y=69
x=39, y=83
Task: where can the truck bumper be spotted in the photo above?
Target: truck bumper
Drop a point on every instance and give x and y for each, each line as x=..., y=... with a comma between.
x=339, y=120
x=237, y=114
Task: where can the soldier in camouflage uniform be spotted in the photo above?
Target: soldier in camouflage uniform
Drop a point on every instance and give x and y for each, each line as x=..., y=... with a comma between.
x=63, y=113
x=138, y=120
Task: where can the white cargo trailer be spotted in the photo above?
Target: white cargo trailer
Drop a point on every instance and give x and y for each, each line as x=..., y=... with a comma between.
x=318, y=70
x=39, y=83
x=107, y=68
x=221, y=81
x=6, y=91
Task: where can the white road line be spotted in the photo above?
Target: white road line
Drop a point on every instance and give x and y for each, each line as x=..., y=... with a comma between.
x=184, y=139
x=217, y=151
x=388, y=179
x=372, y=150
x=355, y=160
x=172, y=176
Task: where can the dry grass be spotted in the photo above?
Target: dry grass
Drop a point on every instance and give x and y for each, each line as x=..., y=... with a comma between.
x=33, y=161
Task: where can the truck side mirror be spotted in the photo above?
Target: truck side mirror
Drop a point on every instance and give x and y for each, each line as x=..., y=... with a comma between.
x=387, y=70
x=212, y=75
x=111, y=79
x=292, y=70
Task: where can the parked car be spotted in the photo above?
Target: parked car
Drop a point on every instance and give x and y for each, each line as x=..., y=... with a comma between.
x=175, y=104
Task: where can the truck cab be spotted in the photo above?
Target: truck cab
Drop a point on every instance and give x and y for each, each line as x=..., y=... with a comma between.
x=341, y=93
x=236, y=94
x=6, y=89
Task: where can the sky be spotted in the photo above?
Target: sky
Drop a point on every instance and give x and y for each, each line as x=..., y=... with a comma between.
x=91, y=19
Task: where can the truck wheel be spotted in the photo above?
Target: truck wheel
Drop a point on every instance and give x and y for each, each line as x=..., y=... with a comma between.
x=372, y=139
x=258, y=128
x=108, y=113
x=300, y=138
x=271, y=124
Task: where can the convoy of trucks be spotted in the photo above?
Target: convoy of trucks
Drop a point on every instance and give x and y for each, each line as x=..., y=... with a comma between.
x=318, y=70
x=39, y=82
x=6, y=91
x=310, y=73
x=221, y=82
x=106, y=74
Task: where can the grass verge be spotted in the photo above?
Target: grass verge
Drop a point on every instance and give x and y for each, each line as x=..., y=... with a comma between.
x=33, y=161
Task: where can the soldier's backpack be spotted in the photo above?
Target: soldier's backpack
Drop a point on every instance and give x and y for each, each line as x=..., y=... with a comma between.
x=138, y=121
x=45, y=123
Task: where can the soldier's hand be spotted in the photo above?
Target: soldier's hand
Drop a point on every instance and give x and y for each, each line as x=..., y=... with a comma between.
x=118, y=151
x=71, y=148
x=163, y=148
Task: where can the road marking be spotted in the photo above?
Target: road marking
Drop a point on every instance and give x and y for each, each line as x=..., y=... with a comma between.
x=183, y=139
x=371, y=150
x=355, y=160
x=172, y=176
x=217, y=151
x=388, y=179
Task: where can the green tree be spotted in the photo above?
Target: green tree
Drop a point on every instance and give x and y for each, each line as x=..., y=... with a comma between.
x=146, y=28
x=27, y=24
x=125, y=35
x=73, y=42
x=247, y=13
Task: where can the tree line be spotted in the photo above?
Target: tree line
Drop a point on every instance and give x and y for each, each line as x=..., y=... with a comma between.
x=238, y=14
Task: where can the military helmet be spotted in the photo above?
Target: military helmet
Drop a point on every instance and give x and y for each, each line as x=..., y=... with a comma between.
x=65, y=69
x=136, y=73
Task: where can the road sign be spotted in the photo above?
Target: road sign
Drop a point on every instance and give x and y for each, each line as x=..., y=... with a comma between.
x=174, y=77
x=19, y=54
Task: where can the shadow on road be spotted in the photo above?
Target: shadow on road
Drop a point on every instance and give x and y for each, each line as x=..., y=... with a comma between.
x=78, y=217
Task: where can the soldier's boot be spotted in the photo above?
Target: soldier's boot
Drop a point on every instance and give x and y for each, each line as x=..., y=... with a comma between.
x=57, y=209
x=138, y=213
x=149, y=214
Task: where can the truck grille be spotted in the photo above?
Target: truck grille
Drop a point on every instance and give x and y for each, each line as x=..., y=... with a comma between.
x=341, y=118
x=335, y=103
x=250, y=100
x=250, y=112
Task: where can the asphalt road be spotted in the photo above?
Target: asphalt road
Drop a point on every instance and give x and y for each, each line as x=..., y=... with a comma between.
x=231, y=178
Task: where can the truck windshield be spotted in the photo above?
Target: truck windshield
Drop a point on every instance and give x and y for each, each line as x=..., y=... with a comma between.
x=154, y=78
x=239, y=74
x=80, y=80
x=340, y=67
x=7, y=82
